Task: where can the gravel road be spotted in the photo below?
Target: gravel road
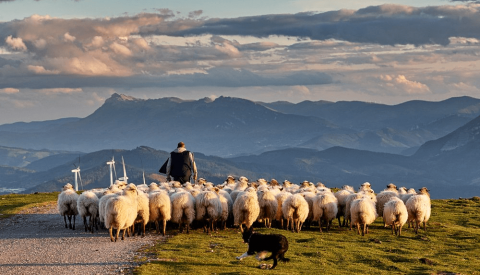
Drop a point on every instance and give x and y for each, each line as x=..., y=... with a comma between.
x=37, y=242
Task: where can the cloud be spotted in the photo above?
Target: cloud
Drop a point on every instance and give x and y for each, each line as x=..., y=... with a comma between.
x=40, y=70
x=60, y=91
x=68, y=37
x=402, y=83
x=194, y=14
x=15, y=44
x=9, y=91
x=386, y=24
x=120, y=49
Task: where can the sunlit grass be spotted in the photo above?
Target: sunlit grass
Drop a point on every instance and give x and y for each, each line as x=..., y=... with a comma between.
x=14, y=203
x=451, y=245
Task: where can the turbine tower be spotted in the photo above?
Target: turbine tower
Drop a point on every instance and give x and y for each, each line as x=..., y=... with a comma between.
x=111, y=163
x=125, y=178
x=76, y=171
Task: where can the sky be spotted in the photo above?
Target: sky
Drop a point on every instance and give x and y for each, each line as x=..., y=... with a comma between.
x=64, y=58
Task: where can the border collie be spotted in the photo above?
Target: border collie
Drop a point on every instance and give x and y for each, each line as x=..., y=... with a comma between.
x=263, y=243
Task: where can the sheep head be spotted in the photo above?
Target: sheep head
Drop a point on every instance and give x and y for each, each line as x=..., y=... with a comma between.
x=67, y=187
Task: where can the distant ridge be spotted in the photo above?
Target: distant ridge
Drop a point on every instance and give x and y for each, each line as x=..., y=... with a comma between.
x=229, y=126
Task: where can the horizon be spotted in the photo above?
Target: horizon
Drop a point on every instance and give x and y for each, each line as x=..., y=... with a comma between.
x=64, y=59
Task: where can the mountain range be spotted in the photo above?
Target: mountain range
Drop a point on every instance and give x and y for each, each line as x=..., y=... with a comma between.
x=229, y=127
x=256, y=140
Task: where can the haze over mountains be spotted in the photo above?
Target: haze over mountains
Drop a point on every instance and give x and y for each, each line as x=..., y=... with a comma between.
x=232, y=126
x=336, y=143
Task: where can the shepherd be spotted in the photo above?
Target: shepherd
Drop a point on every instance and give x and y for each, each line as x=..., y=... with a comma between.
x=181, y=165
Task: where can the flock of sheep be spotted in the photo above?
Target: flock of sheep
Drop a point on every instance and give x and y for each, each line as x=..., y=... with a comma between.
x=241, y=203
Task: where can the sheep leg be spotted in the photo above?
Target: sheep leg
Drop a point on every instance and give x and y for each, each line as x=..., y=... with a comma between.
x=133, y=230
x=74, y=218
x=281, y=223
x=65, y=220
x=164, y=226
x=118, y=234
x=85, y=223
x=364, y=229
x=123, y=234
x=425, y=226
x=111, y=235
x=394, y=230
x=188, y=228
x=143, y=228
x=91, y=221
x=399, y=231
x=241, y=228
x=157, y=227
x=328, y=225
x=358, y=228
x=320, y=225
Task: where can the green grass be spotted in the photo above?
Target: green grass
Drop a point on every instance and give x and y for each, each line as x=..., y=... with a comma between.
x=14, y=203
x=451, y=245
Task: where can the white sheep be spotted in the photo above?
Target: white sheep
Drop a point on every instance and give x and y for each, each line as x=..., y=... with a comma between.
x=295, y=211
x=102, y=203
x=268, y=207
x=153, y=187
x=363, y=213
x=227, y=209
x=67, y=205
x=365, y=186
x=143, y=212
x=121, y=211
x=160, y=209
x=310, y=198
x=419, y=209
x=281, y=197
x=354, y=196
x=208, y=209
x=183, y=209
x=382, y=198
x=395, y=215
x=342, y=196
x=246, y=208
x=392, y=188
x=325, y=208
x=99, y=192
x=87, y=205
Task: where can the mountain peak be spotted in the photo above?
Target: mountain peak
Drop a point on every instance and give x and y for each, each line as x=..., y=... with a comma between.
x=122, y=97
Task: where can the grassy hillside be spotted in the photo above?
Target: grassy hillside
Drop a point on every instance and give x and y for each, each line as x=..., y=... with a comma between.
x=450, y=245
x=14, y=203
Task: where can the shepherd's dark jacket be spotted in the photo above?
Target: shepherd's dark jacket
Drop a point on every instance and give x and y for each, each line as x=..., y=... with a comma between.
x=181, y=164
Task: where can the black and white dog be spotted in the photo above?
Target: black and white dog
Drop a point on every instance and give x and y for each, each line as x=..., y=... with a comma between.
x=275, y=243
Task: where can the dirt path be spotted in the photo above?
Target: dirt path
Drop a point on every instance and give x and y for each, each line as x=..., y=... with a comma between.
x=37, y=242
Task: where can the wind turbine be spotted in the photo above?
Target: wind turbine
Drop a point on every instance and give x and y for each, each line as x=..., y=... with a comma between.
x=125, y=178
x=76, y=171
x=112, y=163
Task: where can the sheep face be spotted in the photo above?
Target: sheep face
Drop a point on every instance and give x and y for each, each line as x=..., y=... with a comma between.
x=391, y=186
x=67, y=187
